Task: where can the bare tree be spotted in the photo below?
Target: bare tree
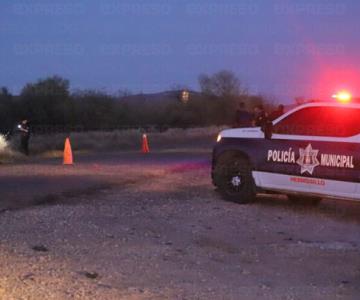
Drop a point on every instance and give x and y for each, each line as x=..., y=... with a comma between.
x=222, y=84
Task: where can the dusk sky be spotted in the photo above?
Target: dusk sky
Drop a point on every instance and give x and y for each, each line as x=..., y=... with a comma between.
x=282, y=49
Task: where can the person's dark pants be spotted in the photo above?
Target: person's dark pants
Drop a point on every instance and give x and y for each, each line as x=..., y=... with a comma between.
x=25, y=145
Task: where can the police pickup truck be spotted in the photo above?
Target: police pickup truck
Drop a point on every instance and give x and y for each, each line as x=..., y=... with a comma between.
x=310, y=152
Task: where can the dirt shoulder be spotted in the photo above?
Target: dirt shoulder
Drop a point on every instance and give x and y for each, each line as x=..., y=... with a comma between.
x=172, y=237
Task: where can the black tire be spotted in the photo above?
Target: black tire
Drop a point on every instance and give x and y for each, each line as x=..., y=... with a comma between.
x=297, y=199
x=232, y=176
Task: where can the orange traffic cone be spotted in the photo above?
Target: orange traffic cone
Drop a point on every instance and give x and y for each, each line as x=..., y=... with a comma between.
x=68, y=157
x=145, y=144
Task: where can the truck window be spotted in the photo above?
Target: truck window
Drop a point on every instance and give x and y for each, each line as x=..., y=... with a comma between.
x=321, y=121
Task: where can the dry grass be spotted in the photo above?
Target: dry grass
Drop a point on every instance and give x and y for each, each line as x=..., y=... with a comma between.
x=7, y=154
x=3, y=143
x=126, y=140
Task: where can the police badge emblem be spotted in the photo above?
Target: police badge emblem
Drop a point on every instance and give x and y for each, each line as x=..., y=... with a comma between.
x=308, y=159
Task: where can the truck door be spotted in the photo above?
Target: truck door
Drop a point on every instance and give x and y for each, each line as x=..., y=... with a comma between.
x=314, y=149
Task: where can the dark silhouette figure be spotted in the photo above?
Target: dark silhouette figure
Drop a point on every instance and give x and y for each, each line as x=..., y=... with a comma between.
x=260, y=117
x=24, y=129
x=242, y=118
x=277, y=113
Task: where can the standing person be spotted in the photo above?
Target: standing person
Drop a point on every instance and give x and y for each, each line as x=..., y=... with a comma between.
x=277, y=113
x=24, y=129
x=242, y=118
x=260, y=116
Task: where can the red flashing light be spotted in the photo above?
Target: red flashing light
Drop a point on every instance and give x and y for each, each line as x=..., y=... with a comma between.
x=343, y=96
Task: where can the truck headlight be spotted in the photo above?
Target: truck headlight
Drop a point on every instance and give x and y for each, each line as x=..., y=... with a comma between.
x=218, y=139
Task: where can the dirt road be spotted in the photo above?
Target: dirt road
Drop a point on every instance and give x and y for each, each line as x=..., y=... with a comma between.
x=125, y=226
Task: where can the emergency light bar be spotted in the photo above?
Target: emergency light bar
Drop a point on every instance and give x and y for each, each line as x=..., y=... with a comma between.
x=343, y=96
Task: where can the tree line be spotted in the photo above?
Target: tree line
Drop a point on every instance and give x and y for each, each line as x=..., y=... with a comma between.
x=49, y=103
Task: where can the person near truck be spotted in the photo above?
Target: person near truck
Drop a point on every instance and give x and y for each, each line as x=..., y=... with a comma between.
x=243, y=118
x=277, y=113
x=260, y=116
x=24, y=129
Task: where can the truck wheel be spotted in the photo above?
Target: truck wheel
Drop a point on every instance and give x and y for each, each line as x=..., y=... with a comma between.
x=297, y=199
x=234, y=180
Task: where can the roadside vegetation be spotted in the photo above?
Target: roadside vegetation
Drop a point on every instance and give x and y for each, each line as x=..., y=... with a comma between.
x=173, y=139
x=97, y=120
x=50, y=103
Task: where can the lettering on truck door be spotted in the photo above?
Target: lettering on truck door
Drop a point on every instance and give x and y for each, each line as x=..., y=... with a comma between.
x=315, y=149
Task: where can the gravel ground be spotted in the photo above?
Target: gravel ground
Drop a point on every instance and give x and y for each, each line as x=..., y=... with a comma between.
x=162, y=232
